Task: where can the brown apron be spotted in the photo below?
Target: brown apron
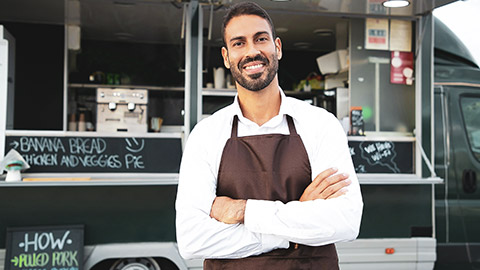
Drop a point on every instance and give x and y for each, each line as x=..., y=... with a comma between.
x=269, y=167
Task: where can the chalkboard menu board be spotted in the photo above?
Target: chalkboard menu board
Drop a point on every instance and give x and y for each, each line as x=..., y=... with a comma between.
x=46, y=248
x=357, y=125
x=98, y=154
x=382, y=156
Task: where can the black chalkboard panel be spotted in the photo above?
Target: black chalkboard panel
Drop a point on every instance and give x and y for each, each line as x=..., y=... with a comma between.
x=382, y=156
x=98, y=154
x=48, y=248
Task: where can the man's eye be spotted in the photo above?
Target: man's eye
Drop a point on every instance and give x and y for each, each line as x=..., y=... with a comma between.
x=236, y=44
x=262, y=39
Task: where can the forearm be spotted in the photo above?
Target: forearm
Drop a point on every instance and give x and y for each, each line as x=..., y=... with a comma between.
x=313, y=223
x=200, y=236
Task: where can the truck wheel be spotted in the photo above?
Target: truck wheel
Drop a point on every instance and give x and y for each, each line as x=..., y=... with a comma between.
x=135, y=264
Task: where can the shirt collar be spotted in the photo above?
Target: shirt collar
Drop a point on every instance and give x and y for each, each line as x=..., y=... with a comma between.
x=286, y=107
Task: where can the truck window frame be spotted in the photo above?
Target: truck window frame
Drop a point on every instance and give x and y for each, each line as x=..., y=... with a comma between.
x=467, y=125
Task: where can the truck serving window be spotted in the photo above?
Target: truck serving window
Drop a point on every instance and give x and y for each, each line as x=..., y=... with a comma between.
x=471, y=115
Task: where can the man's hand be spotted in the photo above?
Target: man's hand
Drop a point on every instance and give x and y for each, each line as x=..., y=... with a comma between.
x=326, y=186
x=227, y=210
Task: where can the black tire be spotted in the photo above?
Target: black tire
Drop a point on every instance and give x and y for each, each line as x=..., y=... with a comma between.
x=136, y=264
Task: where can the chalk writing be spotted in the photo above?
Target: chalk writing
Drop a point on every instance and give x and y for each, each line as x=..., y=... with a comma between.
x=87, y=145
x=134, y=146
x=360, y=169
x=102, y=161
x=357, y=117
x=357, y=124
x=41, y=241
x=41, y=144
x=382, y=156
x=80, y=152
x=98, y=154
x=64, y=258
x=31, y=260
x=45, y=248
x=136, y=161
x=56, y=259
x=380, y=153
x=44, y=159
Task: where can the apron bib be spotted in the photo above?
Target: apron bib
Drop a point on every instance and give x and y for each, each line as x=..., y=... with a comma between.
x=269, y=167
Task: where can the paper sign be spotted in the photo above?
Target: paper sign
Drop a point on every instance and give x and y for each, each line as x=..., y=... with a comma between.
x=400, y=35
x=376, y=34
x=401, y=68
x=376, y=7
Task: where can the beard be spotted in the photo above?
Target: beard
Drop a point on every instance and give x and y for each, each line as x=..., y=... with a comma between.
x=258, y=81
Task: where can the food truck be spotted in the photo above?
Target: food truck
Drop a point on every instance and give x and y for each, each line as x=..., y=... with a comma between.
x=99, y=97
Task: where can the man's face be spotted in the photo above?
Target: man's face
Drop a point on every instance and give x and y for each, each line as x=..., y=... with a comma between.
x=252, y=54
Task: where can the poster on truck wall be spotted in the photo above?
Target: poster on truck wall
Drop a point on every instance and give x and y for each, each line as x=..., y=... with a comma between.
x=401, y=68
x=376, y=34
x=400, y=35
x=45, y=248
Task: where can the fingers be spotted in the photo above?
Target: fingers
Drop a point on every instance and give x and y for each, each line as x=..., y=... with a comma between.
x=337, y=194
x=336, y=189
x=326, y=185
x=329, y=185
x=323, y=175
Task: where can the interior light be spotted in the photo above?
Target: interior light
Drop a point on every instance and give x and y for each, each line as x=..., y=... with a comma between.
x=396, y=3
x=323, y=32
x=302, y=45
x=281, y=29
x=125, y=3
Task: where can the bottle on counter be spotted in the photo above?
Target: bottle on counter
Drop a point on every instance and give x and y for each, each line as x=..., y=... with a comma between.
x=88, y=121
x=82, y=125
x=72, y=123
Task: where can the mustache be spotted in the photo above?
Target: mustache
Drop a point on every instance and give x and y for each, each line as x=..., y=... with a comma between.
x=248, y=59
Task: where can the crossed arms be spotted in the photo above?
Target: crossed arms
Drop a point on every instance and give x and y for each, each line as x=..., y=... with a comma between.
x=327, y=185
x=208, y=226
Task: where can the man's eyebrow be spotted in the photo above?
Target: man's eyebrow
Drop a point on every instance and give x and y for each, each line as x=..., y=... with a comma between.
x=261, y=33
x=255, y=35
x=237, y=38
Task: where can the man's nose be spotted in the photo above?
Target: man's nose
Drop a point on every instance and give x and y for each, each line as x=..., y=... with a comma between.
x=252, y=50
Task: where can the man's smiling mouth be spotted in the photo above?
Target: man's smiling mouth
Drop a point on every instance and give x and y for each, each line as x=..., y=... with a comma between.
x=254, y=66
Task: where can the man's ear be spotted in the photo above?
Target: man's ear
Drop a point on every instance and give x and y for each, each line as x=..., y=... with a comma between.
x=225, y=57
x=278, y=47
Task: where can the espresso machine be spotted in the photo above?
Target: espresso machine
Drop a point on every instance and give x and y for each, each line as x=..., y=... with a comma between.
x=122, y=110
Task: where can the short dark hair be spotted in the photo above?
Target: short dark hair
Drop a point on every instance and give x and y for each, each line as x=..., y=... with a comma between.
x=245, y=8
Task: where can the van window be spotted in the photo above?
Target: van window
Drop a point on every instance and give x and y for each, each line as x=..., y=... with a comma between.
x=471, y=115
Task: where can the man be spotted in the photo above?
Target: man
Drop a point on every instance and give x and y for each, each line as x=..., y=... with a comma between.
x=247, y=198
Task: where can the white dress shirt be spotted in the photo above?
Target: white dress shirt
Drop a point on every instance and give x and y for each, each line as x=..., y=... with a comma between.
x=268, y=225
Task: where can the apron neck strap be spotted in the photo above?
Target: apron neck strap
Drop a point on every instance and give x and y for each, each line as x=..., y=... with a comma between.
x=291, y=126
x=234, y=127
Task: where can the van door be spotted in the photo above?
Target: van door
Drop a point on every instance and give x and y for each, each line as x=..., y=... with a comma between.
x=461, y=145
